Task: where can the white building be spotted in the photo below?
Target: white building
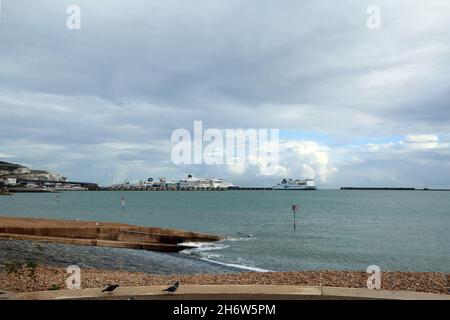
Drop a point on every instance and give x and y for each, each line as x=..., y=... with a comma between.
x=18, y=172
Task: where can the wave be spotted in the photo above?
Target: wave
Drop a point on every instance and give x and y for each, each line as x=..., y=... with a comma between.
x=202, y=250
x=238, y=266
x=239, y=239
x=204, y=246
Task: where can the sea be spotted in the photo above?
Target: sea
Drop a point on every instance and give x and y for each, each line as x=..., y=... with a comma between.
x=332, y=229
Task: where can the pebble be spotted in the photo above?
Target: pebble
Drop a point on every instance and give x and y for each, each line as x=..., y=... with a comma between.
x=432, y=282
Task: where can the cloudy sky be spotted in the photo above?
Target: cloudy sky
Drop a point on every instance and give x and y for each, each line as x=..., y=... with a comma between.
x=354, y=106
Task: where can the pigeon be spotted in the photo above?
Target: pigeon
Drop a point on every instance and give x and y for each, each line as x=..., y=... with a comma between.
x=173, y=288
x=110, y=288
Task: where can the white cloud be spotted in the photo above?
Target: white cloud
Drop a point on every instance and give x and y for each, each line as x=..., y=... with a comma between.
x=413, y=161
x=424, y=142
x=421, y=138
x=307, y=159
x=411, y=143
x=237, y=168
x=6, y=155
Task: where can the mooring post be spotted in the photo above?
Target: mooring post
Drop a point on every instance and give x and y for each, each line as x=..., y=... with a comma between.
x=123, y=203
x=294, y=208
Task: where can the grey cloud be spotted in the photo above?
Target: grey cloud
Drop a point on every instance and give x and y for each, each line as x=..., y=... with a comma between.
x=139, y=69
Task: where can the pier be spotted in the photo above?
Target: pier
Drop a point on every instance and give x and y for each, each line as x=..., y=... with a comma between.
x=159, y=189
x=43, y=183
x=192, y=189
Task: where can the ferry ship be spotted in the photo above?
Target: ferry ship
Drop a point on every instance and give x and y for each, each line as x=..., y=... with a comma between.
x=189, y=183
x=296, y=184
x=192, y=182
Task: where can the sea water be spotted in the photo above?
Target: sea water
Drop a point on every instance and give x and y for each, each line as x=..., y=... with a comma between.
x=335, y=230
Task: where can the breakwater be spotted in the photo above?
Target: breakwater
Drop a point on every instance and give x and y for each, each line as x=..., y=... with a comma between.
x=189, y=189
x=392, y=189
x=99, y=234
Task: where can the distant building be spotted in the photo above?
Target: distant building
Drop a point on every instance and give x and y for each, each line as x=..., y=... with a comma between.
x=7, y=168
x=10, y=181
x=10, y=172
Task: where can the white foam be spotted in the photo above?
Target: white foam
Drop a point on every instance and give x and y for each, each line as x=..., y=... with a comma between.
x=202, y=250
x=238, y=266
x=240, y=239
x=204, y=246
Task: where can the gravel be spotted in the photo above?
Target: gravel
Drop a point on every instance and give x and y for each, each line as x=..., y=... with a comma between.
x=50, y=277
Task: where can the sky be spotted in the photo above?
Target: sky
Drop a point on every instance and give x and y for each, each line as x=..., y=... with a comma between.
x=355, y=106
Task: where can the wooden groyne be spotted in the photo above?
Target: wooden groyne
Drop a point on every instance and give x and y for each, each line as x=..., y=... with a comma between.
x=100, y=234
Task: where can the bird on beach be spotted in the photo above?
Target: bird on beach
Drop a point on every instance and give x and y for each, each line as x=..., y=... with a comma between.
x=110, y=288
x=173, y=288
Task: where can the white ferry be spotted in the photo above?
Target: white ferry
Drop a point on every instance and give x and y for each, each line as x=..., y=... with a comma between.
x=296, y=184
x=192, y=182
